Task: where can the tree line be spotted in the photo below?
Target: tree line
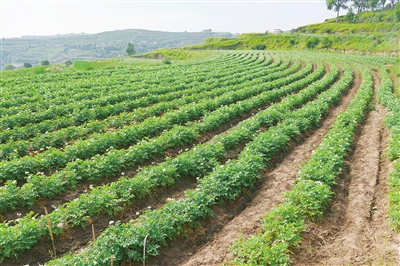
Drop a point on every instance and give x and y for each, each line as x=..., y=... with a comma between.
x=358, y=5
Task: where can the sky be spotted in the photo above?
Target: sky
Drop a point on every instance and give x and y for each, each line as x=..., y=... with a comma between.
x=34, y=17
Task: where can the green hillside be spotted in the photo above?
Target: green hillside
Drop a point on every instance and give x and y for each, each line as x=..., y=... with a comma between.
x=368, y=32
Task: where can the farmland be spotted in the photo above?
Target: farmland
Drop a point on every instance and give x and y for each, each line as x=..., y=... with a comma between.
x=255, y=157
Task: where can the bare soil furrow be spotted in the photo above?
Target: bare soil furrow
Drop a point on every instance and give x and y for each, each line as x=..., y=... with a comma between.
x=77, y=237
x=355, y=230
x=210, y=244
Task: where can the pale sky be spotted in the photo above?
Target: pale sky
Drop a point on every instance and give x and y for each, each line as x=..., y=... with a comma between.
x=34, y=17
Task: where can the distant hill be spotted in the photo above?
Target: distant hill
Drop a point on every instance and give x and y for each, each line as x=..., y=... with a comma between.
x=367, y=32
x=59, y=48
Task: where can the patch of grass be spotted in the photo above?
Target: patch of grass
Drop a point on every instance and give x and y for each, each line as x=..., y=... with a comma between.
x=25, y=71
x=218, y=44
x=81, y=65
x=178, y=54
x=139, y=62
x=98, y=64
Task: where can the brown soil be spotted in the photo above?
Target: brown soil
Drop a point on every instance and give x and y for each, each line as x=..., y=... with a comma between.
x=355, y=231
x=209, y=245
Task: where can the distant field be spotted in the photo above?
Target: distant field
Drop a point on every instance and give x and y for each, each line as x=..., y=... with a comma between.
x=234, y=157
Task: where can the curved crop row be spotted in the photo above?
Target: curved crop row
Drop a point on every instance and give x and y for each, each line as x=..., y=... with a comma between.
x=89, y=97
x=63, y=116
x=225, y=78
x=116, y=160
x=19, y=169
x=174, y=98
x=311, y=193
x=195, y=163
x=89, y=85
x=124, y=242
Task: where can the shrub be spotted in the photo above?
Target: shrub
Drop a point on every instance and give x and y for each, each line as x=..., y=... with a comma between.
x=45, y=63
x=27, y=65
x=9, y=67
x=326, y=42
x=350, y=15
x=312, y=42
x=292, y=42
x=259, y=47
x=397, y=13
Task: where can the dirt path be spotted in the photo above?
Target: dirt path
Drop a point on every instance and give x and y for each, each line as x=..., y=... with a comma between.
x=355, y=231
x=274, y=184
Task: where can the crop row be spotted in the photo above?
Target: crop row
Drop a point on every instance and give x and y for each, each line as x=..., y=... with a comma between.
x=124, y=241
x=195, y=163
x=144, y=99
x=88, y=85
x=19, y=169
x=115, y=160
x=158, y=104
x=311, y=194
x=89, y=97
x=99, y=107
x=387, y=99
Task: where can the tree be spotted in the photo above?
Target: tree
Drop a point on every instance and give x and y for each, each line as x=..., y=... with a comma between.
x=358, y=4
x=45, y=63
x=336, y=5
x=130, y=48
x=393, y=2
x=9, y=67
x=373, y=4
x=68, y=63
x=350, y=15
x=259, y=47
x=382, y=2
x=397, y=13
x=27, y=65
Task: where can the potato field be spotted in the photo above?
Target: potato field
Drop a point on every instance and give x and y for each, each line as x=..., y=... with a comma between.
x=245, y=158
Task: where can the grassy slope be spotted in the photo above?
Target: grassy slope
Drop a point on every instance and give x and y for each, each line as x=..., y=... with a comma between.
x=176, y=54
x=369, y=32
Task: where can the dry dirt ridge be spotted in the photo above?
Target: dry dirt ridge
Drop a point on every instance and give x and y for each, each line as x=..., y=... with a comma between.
x=354, y=230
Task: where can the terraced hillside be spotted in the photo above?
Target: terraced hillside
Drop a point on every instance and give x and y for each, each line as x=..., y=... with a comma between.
x=231, y=160
x=372, y=32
